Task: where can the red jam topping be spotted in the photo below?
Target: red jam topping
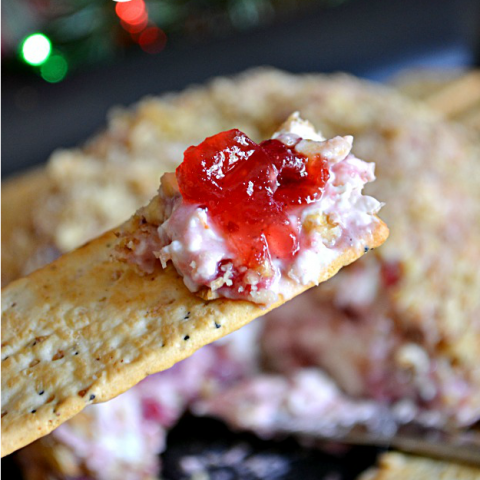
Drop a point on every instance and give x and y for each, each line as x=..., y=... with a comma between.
x=251, y=190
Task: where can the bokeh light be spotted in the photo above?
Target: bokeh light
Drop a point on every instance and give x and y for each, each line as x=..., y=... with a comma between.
x=137, y=26
x=131, y=12
x=152, y=40
x=36, y=49
x=134, y=19
x=55, y=69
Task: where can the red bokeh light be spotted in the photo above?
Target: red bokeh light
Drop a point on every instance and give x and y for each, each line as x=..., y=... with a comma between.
x=152, y=40
x=131, y=12
x=137, y=26
x=133, y=16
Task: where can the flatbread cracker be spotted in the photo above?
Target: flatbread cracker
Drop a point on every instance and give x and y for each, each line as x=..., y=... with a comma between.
x=88, y=327
x=398, y=466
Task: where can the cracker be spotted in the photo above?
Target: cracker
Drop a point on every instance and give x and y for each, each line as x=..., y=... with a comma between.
x=88, y=327
x=457, y=96
x=453, y=94
x=398, y=466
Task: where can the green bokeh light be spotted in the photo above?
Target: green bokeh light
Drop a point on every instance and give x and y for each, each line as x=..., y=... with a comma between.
x=55, y=69
x=36, y=49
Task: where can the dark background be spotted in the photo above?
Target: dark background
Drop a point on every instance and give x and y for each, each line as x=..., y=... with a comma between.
x=370, y=38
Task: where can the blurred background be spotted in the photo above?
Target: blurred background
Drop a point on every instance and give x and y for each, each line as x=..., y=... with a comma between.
x=67, y=62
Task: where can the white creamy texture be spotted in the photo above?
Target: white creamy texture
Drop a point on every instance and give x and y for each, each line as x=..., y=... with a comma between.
x=123, y=441
x=195, y=247
x=306, y=401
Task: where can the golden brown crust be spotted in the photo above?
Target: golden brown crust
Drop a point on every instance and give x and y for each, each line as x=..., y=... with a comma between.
x=398, y=466
x=87, y=327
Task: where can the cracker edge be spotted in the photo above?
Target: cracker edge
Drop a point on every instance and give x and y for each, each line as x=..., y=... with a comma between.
x=27, y=428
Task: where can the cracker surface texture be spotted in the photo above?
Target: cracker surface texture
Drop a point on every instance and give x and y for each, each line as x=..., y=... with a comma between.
x=88, y=327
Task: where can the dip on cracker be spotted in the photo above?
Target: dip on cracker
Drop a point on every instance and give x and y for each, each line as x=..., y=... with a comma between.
x=246, y=226
x=243, y=220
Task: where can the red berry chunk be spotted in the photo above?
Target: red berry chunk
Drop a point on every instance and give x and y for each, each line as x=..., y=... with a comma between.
x=391, y=272
x=251, y=191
